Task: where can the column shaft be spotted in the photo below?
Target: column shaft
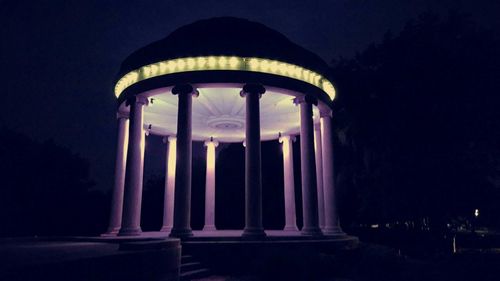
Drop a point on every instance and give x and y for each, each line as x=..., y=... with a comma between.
x=308, y=166
x=115, y=218
x=253, y=177
x=210, y=187
x=319, y=174
x=332, y=225
x=168, y=198
x=182, y=204
x=131, y=223
x=290, y=214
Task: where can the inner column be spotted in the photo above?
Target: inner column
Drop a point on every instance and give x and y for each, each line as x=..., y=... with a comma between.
x=289, y=185
x=168, y=199
x=210, y=186
x=319, y=173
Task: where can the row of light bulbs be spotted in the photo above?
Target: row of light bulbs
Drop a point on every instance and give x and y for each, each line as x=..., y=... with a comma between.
x=225, y=63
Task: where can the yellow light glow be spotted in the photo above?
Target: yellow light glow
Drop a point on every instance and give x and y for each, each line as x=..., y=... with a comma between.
x=282, y=68
x=212, y=62
x=191, y=63
x=225, y=63
x=298, y=72
x=172, y=157
x=146, y=72
x=253, y=63
x=181, y=64
x=222, y=61
x=286, y=141
x=234, y=62
x=154, y=69
x=171, y=66
x=210, y=156
x=264, y=65
x=273, y=66
x=163, y=67
x=202, y=61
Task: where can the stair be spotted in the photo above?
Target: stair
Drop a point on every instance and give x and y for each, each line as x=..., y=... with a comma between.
x=192, y=269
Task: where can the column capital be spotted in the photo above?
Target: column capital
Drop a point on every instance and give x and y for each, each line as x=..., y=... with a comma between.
x=122, y=115
x=185, y=89
x=216, y=143
x=305, y=99
x=287, y=137
x=137, y=99
x=325, y=113
x=169, y=139
x=253, y=88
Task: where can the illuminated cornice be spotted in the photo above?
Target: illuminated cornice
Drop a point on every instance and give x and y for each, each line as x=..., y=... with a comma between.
x=225, y=63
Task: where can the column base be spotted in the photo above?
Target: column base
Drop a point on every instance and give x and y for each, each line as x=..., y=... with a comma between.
x=209, y=228
x=166, y=229
x=311, y=231
x=111, y=232
x=333, y=231
x=253, y=233
x=130, y=232
x=180, y=233
x=291, y=228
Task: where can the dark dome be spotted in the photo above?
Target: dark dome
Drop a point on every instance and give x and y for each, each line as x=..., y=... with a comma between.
x=224, y=36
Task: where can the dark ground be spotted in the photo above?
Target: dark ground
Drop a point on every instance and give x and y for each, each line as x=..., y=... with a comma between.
x=375, y=262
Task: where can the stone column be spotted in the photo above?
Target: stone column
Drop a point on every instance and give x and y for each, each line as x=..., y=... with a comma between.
x=290, y=215
x=308, y=167
x=210, y=186
x=115, y=218
x=332, y=225
x=182, y=204
x=131, y=223
x=168, y=197
x=319, y=174
x=253, y=177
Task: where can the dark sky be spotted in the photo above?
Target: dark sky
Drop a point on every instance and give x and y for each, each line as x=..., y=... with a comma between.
x=58, y=58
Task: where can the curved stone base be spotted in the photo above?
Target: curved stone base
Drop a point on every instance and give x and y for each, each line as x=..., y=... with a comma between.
x=181, y=233
x=253, y=233
x=311, y=231
x=130, y=232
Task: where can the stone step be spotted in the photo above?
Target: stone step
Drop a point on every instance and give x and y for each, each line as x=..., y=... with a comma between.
x=192, y=274
x=190, y=266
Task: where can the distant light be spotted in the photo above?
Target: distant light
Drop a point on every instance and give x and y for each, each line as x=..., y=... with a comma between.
x=374, y=226
x=225, y=63
x=476, y=213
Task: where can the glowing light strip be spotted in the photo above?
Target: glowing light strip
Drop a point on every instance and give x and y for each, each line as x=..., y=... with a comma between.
x=225, y=63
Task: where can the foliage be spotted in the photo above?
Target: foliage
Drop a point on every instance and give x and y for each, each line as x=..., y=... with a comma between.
x=46, y=189
x=418, y=122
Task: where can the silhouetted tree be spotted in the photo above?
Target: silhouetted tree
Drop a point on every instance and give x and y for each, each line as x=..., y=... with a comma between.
x=46, y=189
x=417, y=122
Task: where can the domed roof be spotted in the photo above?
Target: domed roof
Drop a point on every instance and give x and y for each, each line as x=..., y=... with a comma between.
x=224, y=36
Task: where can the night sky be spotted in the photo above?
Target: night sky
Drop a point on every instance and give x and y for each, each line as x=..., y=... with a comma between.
x=59, y=58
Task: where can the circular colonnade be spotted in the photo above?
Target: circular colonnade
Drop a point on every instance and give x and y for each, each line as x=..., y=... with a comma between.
x=233, y=81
